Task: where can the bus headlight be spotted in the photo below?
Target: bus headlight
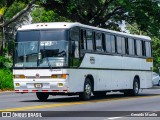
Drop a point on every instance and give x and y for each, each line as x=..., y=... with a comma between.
x=64, y=76
x=19, y=76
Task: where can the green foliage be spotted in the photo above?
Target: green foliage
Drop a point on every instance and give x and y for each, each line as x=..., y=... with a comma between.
x=6, y=79
x=109, y=13
x=42, y=15
x=13, y=9
x=156, y=53
x=5, y=63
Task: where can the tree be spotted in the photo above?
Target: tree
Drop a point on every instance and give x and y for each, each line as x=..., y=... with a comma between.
x=39, y=14
x=7, y=17
x=109, y=13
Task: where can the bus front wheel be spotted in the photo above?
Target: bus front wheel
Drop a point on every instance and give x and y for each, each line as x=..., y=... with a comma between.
x=42, y=96
x=86, y=94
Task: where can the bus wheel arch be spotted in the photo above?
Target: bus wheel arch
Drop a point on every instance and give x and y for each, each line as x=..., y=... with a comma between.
x=91, y=80
x=138, y=79
x=87, y=88
x=136, y=86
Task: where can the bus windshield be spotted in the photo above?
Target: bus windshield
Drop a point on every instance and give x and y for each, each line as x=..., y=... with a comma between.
x=41, y=49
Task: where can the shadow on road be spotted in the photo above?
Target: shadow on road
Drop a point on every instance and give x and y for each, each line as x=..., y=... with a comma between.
x=67, y=99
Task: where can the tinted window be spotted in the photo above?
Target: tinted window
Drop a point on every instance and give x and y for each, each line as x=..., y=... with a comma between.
x=126, y=46
x=98, y=42
x=108, y=43
x=89, y=36
x=83, y=39
x=131, y=46
x=74, y=34
x=119, y=45
x=139, y=47
x=123, y=45
x=43, y=35
x=148, y=49
x=113, y=42
x=143, y=48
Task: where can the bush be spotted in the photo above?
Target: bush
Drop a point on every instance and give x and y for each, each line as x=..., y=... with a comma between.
x=6, y=79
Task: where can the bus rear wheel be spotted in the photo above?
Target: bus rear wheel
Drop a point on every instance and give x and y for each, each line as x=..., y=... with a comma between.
x=42, y=96
x=135, y=90
x=86, y=94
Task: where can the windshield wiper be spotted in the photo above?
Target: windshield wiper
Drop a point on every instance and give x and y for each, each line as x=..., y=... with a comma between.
x=62, y=53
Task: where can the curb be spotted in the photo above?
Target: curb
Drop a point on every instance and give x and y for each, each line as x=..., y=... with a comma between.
x=6, y=92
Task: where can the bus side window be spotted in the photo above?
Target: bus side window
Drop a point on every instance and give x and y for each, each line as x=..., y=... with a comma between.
x=113, y=44
x=89, y=36
x=83, y=39
x=143, y=48
x=103, y=42
x=123, y=46
x=98, y=42
x=131, y=46
x=148, y=49
x=94, y=41
x=74, y=34
x=135, y=47
x=119, y=44
x=126, y=46
x=139, y=47
x=108, y=43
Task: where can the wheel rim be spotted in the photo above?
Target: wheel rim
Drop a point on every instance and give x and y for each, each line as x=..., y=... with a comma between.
x=136, y=87
x=88, y=89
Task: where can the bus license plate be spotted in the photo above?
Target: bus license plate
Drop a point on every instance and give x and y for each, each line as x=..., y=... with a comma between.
x=38, y=85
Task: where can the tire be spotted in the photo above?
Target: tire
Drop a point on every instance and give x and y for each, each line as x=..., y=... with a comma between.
x=135, y=90
x=42, y=96
x=99, y=94
x=86, y=94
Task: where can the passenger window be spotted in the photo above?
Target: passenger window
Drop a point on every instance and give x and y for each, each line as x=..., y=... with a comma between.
x=131, y=46
x=139, y=47
x=74, y=34
x=126, y=46
x=123, y=46
x=83, y=40
x=98, y=42
x=103, y=42
x=135, y=47
x=113, y=44
x=89, y=36
x=119, y=45
x=143, y=48
x=108, y=43
x=148, y=49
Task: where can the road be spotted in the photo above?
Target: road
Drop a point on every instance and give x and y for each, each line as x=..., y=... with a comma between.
x=112, y=106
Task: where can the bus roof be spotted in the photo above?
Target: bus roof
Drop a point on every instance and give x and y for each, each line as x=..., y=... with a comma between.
x=67, y=25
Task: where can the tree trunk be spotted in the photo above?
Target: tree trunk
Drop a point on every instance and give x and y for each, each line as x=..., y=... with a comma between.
x=2, y=40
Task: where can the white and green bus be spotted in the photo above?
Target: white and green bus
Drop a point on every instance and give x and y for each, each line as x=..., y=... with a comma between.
x=62, y=58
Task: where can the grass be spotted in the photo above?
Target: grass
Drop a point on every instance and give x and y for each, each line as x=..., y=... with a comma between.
x=6, y=79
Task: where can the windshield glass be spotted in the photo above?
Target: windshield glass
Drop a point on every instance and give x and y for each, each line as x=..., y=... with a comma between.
x=42, y=49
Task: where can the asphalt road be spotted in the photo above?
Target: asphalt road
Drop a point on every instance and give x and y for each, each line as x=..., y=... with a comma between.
x=112, y=106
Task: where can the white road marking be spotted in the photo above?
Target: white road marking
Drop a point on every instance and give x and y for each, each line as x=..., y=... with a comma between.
x=113, y=118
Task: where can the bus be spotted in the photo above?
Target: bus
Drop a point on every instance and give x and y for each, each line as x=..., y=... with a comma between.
x=62, y=58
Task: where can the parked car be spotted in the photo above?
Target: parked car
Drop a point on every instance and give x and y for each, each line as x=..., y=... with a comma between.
x=155, y=79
